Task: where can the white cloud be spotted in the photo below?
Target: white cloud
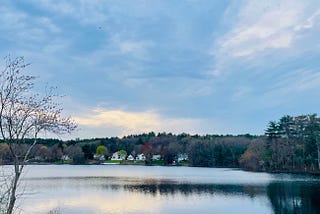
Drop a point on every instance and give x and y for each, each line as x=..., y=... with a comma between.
x=310, y=22
x=129, y=47
x=135, y=48
x=11, y=18
x=129, y=122
x=267, y=25
x=64, y=7
x=241, y=92
x=291, y=86
x=198, y=88
x=24, y=28
x=86, y=12
x=136, y=82
x=48, y=24
x=298, y=81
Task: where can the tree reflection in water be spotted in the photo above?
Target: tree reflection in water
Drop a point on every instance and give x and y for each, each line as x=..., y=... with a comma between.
x=285, y=197
x=166, y=189
x=294, y=197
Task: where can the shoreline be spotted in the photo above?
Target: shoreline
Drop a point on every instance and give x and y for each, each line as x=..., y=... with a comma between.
x=172, y=165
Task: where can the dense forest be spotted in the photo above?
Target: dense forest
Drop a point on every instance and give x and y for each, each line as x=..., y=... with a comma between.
x=209, y=150
x=291, y=144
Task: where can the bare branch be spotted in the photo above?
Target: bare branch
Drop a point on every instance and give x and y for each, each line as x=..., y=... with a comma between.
x=25, y=114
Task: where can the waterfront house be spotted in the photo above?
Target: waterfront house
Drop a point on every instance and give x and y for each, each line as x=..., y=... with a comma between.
x=130, y=158
x=182, y=157
x=141, y=157
x=156, y=157
x=99, y=157
x=118, y=156
x=65, y=158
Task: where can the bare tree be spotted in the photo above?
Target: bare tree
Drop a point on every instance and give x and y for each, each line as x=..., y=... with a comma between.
x=25, y=114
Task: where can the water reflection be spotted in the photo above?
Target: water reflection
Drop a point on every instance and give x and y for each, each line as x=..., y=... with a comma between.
x=285, y=197
x=164, y=190
x=301, y=197
x=196, y=189
x=148, y=186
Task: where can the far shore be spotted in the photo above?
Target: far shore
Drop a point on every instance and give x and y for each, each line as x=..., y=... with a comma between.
x=157, y=163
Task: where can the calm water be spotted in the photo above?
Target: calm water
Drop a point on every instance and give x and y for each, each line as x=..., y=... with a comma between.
x=118, y=189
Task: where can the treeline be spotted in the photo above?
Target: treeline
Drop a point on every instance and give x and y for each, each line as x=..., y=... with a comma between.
x=196, y=150
x=290, y=144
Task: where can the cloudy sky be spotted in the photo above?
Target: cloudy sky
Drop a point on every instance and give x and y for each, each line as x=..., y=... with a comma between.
x=202, y=66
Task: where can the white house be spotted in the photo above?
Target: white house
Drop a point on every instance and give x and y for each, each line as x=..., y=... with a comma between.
x=130, y=158
x=99, y=157
x=141, y=157
x=182, y=157
x=156, y=157
x=117, y=156
x=65, y=157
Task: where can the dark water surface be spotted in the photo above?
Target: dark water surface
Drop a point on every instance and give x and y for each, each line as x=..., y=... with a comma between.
x=118, y=189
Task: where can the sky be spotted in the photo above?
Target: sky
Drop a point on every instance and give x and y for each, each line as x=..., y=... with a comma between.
x=193, y=66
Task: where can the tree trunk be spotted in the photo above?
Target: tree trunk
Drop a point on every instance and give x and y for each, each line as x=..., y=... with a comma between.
x=14, y=186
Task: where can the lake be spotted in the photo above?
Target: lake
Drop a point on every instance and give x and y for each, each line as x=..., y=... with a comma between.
x=116, y=189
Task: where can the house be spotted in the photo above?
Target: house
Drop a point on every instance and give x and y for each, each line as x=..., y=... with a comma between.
x=117, y=156
x=141, y=157
x=99, y=157
x=156, y=157
x=65, y=157
x=182, y=157
x=130, y=158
